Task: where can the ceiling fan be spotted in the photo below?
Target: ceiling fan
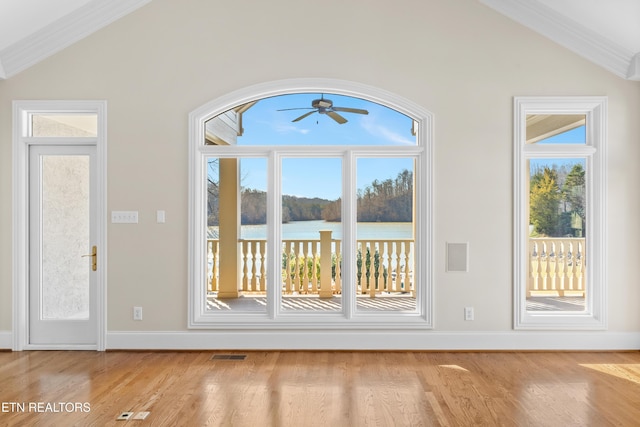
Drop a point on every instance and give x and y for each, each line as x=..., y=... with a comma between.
x=325, y=106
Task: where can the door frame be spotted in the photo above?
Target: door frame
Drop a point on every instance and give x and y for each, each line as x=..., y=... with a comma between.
x=20, y=202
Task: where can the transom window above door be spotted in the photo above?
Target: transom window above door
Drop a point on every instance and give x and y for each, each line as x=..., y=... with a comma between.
x=310, y=208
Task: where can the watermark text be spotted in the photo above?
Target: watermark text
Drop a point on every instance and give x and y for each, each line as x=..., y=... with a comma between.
x=50, y=407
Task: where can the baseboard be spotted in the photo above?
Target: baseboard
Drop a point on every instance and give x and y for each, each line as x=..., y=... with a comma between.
x=367, y=340
x=6, y=340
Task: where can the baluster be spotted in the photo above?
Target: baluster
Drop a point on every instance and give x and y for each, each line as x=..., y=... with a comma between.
x=544, y=267
x=376, y=267
x=315, y=257
x=338, y=278
x=245, y=267
x=571, y=266
x=562, y=265
x=254, y=268
x=288, y=287
x=397, y=286
x=580, y=268
x=386, y=266
x=214, y=272
x=413, y=266
x=535, y=266
x=552, y=266
x=263, y=270
x=304, y=255
x=407, y=269
x=368, y=263
x=296, y=277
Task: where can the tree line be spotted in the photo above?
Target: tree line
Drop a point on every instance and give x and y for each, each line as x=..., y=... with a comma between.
x=557, y=201
x=390, y=200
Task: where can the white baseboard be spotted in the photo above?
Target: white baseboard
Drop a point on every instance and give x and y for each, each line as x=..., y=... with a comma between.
x=367, y=340
x=6, y=340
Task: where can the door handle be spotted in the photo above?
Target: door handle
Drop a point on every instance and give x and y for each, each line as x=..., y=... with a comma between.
x=94, y=258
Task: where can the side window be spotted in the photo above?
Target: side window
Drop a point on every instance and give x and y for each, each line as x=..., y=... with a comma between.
x=559, y=224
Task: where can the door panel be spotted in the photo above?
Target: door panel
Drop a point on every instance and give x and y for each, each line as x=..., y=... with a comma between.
x=62, y=283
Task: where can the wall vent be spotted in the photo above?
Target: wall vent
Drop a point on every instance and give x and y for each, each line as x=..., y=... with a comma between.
x=457, y=257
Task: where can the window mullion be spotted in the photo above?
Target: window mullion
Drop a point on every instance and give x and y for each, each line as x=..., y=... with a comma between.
x=349, y=225
x=274, y=235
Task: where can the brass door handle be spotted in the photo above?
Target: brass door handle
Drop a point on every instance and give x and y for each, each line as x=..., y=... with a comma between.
x=94, y=258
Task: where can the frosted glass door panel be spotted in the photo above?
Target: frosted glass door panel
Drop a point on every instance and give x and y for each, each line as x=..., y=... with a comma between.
x=63, y=252
x=65, y=237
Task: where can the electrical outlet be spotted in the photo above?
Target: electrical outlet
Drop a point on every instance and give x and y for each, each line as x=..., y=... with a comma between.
x=137, y=313
x=468, y=313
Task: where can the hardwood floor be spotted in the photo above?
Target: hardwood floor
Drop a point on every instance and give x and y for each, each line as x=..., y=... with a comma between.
x=320, y=388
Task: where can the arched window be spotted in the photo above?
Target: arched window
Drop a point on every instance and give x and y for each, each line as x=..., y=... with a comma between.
x=310, y=206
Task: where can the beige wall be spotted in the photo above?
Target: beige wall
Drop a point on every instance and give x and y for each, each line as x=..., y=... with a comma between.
x=458, y=59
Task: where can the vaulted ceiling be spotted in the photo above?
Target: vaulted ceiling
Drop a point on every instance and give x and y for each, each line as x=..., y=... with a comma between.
x=604, y=32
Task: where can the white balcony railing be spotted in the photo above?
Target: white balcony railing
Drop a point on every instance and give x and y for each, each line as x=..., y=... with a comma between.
x=381, y=266
x=556, y=267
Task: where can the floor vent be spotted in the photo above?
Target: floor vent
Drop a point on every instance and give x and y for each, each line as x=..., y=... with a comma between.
x=229, y=357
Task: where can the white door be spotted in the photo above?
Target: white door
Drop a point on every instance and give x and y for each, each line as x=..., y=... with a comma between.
x=62, y=245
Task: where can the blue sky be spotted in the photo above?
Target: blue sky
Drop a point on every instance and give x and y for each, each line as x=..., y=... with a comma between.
x=264, y=125
x=574, y=136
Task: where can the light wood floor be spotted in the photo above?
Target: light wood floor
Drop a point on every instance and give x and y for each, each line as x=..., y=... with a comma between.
x=322, y=388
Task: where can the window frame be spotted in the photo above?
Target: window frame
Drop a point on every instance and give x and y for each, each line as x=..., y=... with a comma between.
x=200, y=318
x=594, y=317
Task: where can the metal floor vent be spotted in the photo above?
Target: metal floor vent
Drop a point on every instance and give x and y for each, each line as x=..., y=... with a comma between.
x=229, y=357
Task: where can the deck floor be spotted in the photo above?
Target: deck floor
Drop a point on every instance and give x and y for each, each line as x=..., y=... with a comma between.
x=384, y=302
x=258, y=303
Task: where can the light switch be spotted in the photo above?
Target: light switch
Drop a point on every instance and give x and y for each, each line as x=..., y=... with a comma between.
x=160, y=217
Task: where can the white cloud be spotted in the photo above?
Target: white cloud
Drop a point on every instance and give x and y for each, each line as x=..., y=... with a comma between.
x=370, y=125
x=288, y=128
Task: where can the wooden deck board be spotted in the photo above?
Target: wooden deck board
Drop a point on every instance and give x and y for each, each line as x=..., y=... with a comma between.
x=384, y=302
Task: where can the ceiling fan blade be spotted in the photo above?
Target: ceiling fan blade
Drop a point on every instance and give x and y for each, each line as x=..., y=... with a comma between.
x=351, y=110
x=302, y=108
x=337, y=117
x=303, y=116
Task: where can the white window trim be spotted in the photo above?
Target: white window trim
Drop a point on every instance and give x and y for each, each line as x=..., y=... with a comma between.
x=22, y=110
x=200, y=318
x=595, y=109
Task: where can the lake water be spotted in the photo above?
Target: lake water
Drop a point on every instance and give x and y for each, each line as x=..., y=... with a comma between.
x=311, y=230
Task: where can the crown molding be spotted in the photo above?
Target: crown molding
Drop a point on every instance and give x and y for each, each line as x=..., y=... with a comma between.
x=571, y=35
x=63, y=33
x=634, y=68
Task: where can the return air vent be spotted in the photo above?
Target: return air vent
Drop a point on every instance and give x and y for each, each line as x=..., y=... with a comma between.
x=229, y=357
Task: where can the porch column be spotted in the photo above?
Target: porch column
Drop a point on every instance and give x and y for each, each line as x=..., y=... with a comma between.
x=229, y=234
x=325, y=264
